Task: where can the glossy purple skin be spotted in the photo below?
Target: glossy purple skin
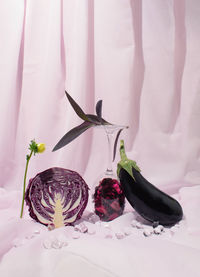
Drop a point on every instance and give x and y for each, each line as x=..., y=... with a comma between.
x=54, y=180
x=150, y=202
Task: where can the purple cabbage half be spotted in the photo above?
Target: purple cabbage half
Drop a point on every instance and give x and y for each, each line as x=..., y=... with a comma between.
x=56, y=197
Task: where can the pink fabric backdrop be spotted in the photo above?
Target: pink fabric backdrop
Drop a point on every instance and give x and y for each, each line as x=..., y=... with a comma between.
x=140, y=57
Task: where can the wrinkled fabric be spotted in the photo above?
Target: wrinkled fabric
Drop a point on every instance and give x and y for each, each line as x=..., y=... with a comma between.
x=25, y=244
x=190, y=197
x=140, y=57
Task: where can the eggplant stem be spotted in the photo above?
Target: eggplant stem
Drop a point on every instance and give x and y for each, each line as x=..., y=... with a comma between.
x=126, y=163
x=122, y=151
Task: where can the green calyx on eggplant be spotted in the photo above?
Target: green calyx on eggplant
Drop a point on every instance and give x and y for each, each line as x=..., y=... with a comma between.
x=150, y=202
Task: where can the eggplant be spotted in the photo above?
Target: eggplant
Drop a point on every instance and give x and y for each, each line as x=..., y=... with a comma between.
x=151, y=203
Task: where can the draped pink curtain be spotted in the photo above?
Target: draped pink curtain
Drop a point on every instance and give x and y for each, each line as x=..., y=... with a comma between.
x=140, y=56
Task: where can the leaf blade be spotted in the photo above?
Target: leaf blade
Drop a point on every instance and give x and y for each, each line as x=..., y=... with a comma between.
x=115, y=144
x=95, y=120
x=72, y=134
x=76, y=107
x=99, y=110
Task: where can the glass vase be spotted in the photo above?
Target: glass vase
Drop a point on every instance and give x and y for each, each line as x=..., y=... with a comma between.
x=108, y=197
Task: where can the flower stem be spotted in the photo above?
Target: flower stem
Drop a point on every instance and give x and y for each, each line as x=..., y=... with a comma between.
x=24, y=188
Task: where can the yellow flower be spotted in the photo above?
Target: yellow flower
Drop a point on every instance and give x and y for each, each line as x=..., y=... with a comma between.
x=41, y=147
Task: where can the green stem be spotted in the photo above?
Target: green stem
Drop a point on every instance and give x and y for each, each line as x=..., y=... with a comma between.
x=24, y=189
x=126, y=163
x=122, y=151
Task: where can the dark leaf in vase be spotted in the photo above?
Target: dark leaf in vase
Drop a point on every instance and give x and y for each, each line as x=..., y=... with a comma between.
x=86, y=117
x=115, y=144
x=72, y=134
x=76, y=107
x=94, y=119
x=99, y=110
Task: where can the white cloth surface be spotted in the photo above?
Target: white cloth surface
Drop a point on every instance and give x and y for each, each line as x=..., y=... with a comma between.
x=176, y=252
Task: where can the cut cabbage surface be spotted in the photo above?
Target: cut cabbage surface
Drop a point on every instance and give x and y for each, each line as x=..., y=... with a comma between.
x=57, y=197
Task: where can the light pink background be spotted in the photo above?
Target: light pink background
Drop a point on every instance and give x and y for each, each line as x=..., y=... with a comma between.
x=140, y=57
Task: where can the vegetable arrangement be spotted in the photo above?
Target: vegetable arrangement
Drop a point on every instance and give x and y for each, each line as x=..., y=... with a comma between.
x=151, y=203
x=56, y=197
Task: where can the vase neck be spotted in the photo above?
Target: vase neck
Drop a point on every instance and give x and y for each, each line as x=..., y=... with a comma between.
x=110, y=138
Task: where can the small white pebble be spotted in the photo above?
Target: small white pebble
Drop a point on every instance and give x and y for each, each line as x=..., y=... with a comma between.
x=77, y=228
x=75, y=235
x=119, y=235
x=157, y=231
x=83, y=228
x=56, y=244
x=173, y=229
x=139, y=225
x=37, y=232
x=160, y=227
x=147, y=232
x=47, y=244
x=133, y=223
x=106, y=225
